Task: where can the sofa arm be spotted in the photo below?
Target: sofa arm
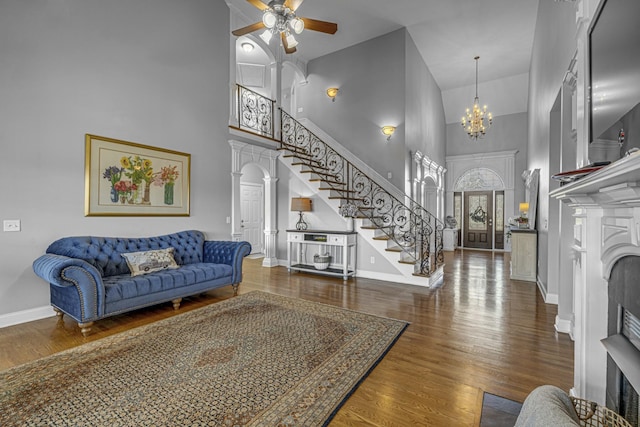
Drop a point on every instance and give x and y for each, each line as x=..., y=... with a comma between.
x=63, y=272
x=224, y=252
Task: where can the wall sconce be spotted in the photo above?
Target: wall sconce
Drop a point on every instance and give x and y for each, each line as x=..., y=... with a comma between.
x=301, y=204
x=388, y=131
x=332, y=92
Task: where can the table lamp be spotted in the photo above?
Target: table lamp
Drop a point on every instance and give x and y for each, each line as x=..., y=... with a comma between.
x=301, y=204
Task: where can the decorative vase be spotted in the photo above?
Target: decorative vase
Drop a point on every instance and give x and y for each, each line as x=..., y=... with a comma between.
x=349, y=223
x=123, y=198
x=114, y=195
x=136, y=195
x=168, y=193
x=146, y=198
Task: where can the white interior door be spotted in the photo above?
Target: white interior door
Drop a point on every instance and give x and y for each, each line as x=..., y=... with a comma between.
x=251, y=206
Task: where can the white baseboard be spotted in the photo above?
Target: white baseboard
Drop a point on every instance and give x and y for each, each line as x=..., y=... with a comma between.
x=396, y=278
x=548, y=298
x=24, y=316
x=563, y=325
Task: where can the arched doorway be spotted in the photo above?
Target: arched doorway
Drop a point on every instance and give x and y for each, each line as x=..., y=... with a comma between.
x=264, y=159
x=494, y=172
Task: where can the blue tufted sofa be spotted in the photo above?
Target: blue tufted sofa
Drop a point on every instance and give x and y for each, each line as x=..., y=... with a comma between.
x=89, y=279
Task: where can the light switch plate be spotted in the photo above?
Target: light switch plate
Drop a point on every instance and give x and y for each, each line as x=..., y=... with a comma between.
x=11, y=225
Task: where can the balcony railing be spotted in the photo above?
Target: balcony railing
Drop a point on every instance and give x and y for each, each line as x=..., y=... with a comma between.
x=255, y=112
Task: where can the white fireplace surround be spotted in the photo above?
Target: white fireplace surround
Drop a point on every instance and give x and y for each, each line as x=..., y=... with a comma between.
x=606, y=212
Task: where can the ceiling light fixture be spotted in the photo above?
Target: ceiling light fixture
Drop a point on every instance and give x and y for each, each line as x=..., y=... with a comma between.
x=247, y=47
x=282, y=20
x=269, y=19
x=474, y=120
x=297, y=25
x=291, y=41
x=266, y=36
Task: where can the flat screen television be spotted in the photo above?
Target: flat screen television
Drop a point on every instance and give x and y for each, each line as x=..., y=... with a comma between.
x=614, y=58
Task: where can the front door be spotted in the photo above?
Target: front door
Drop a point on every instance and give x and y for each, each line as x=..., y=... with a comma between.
x=478, y=227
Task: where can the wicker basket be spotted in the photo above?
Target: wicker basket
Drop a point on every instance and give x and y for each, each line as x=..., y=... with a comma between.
x=593, y=415
x=321, y=262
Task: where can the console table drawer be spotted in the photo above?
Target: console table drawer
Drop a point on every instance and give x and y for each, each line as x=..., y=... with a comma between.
x=337, y=240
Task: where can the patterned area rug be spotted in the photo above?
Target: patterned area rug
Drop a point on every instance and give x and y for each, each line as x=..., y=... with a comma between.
x=254, y=360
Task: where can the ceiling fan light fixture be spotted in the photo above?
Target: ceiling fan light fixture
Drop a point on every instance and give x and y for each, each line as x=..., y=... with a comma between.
x=297, y=25
x=291, y=41
x=266, y=36
x=269, y=18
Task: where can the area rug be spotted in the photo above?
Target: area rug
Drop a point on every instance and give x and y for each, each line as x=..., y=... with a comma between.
x=499, y=411
x=254, y=360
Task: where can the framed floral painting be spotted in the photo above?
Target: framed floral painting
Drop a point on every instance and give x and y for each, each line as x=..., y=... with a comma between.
x=129, y=179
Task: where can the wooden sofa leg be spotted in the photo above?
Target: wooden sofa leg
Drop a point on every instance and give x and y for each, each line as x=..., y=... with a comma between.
x=59, y=313
x=235, y=289
x=85, y=327
x=176, y=303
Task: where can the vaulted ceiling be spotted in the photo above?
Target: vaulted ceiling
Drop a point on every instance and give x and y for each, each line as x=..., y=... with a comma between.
x=447, y=33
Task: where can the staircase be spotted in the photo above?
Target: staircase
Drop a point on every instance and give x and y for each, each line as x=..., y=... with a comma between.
x=404, y=227
x=397, y=225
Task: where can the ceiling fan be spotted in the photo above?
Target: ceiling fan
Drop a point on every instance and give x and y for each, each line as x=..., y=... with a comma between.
x=279, y=16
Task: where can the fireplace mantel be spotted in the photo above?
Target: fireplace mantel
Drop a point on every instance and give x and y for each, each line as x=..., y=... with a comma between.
x=606, y=213
x=615, y=185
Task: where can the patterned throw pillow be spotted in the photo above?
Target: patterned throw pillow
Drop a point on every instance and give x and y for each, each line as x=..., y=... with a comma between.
x=150, y=261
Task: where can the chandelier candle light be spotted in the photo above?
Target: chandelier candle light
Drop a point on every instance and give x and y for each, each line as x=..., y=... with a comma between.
x=474, y=120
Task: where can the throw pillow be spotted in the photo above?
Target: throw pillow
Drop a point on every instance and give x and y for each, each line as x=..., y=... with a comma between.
x=150, y=261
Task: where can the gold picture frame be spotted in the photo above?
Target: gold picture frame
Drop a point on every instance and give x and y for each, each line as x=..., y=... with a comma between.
x=130, y=179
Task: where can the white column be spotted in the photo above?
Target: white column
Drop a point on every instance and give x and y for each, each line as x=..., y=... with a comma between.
x=271, y=228
x=591, y=308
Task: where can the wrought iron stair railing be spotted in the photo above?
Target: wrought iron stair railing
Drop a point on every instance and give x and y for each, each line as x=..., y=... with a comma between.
x=412, y=231
x=255, y=112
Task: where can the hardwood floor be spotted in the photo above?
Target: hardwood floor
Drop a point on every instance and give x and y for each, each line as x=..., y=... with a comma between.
x=479, y=332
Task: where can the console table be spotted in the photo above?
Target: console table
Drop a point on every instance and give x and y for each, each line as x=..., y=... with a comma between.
x=341, y=245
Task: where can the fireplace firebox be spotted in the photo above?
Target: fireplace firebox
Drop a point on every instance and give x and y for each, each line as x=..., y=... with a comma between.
x=623, y=341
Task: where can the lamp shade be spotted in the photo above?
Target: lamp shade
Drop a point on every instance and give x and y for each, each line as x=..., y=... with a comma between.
x=301, y=204
x=524, y=207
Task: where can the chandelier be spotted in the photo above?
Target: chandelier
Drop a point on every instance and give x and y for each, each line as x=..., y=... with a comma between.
x=477, y=120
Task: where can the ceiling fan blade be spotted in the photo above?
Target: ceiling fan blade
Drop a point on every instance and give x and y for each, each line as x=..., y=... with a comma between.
x=293, y=4
x=287, y=49
x=322, y=26
x=259, y=4
x=248, y=29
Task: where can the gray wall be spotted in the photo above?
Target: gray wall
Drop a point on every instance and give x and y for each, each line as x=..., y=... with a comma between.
x=154, y=72
x=508, y=132
x=371, y=79
x=425, y=128
x=554, y=46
